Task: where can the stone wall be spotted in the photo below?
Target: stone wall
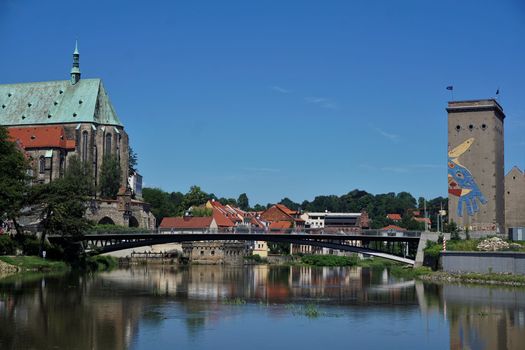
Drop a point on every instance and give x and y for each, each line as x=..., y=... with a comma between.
x=215, y=252
x=484, y=262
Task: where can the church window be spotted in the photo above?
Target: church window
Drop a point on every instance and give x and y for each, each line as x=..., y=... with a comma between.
x=458, y=127
x=84, y=146
x=42, y=165
x=470, y=127
x=107, y=148
x=483, y=126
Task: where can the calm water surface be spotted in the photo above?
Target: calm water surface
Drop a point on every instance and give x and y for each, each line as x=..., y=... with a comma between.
x=254, y=307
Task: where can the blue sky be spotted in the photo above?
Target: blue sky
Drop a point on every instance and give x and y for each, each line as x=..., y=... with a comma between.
x=282, y=98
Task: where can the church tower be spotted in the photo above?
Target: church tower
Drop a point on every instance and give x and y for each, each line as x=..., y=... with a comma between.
x=75, y=70
x=476, y=179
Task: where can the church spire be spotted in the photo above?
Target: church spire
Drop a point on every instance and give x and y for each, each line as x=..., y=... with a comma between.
x=75, y=71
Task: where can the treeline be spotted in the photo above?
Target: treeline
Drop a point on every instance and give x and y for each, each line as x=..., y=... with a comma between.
x=165, y=204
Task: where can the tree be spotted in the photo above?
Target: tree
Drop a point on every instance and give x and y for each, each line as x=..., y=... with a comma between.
x=289, y=203
x=14, y=178
x=258, y=207
x=195, y=196
x=161, y=203
x=133, y=160
x=243, y=202
x=64, y=202
x=109, y=177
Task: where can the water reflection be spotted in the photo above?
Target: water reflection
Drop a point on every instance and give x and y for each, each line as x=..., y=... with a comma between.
x=128, y=308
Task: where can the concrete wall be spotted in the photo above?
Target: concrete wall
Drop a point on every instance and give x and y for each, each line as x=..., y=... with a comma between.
x=514, y=199
x=484, y=262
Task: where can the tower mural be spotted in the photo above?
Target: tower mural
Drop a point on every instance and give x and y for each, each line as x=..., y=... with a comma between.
x=461, y=183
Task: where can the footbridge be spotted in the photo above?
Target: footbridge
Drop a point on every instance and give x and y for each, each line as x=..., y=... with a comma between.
x=352, y=242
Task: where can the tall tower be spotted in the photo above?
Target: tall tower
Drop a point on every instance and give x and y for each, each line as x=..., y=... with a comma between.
x=476, y=179
x=75, y=70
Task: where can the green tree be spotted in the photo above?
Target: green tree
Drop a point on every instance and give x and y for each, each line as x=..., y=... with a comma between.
x=243, y=202
x=109, y=177
x=289, y=203
x=161, y=204
x=201, y=211
x=258, y=207
x=133, y=160
x=64, y=202
x=14, y=179
x=194, y=197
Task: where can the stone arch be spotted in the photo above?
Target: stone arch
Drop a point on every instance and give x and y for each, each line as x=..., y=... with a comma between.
x=106, y=221
x=133, y=222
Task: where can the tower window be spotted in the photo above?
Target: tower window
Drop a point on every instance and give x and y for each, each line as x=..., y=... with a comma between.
x=107, y=147
x=458, y=127
x=84, y=146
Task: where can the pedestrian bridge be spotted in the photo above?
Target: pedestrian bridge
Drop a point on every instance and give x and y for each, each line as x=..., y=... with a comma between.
x=352, y=242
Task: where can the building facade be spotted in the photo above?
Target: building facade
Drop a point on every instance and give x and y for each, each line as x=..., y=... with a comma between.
x=476, y=165
x=55, y=120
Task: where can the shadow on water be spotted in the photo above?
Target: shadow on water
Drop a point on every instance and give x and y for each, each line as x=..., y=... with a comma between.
x=199, y=305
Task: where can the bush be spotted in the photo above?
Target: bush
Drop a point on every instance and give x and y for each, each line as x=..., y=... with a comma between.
x=7, y=245
x=329, y=260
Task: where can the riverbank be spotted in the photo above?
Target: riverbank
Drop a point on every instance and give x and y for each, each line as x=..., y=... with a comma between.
x=31, y=263
x=441, y=277
x=10, y=265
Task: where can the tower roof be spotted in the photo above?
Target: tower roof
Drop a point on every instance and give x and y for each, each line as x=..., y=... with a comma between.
x=56, y=102
x=476, y=106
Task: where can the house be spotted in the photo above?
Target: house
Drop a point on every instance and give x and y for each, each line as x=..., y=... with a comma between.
x=281, y=218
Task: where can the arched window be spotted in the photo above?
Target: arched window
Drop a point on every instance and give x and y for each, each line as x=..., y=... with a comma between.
x=84, y=146
x=42, y=165
x=107, y=146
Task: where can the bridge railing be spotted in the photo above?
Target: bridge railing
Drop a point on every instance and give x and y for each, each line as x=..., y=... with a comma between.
x=298, y=231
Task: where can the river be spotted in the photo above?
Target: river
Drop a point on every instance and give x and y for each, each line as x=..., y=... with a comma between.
x=254, y=307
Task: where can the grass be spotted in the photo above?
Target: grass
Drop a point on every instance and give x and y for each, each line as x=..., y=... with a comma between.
x=34, y=263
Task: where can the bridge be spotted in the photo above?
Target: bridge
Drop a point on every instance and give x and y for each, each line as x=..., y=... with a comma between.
x=105, y=243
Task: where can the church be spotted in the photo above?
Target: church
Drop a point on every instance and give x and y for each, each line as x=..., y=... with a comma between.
x=56, y=120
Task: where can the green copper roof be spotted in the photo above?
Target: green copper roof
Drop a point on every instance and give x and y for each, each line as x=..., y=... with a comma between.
x=56, y=102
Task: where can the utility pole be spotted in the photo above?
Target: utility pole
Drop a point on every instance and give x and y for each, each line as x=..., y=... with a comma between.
x=426, y=217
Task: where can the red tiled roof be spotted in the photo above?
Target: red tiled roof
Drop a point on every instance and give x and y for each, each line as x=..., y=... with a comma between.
x=42, y=137
x=276, y=225
x=196, y=222
x=286, y=210
x=392, y=228
x=394, y=217
x=221, y=219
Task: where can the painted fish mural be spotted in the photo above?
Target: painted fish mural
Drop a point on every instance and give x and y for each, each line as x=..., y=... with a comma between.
x=461, y=183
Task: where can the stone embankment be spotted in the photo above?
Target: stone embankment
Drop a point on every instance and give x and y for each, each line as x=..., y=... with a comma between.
x=7, y=269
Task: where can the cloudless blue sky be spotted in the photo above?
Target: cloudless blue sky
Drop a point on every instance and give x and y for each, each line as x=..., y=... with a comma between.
x=282, y=98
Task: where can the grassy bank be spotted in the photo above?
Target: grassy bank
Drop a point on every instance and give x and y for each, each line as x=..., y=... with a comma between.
x=34, y=263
